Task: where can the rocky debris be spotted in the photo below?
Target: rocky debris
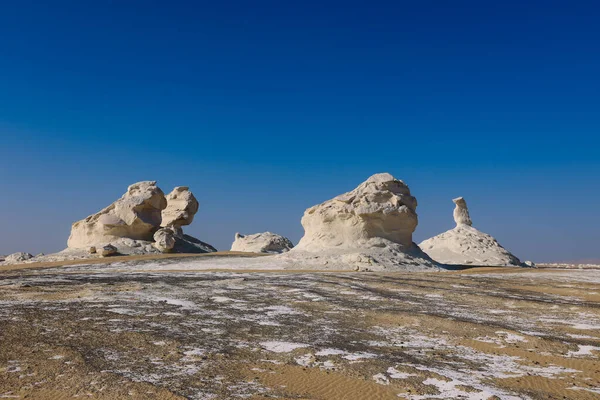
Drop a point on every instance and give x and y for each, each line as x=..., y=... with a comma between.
x=164, y=240
x=465, y=245
x=189, y=244
x=136, y=215
x=265, y=242
x=181, y=208
x=17, y=258
x=369, y=228
x=529, y=264
x=108, y=250
x=92, y=250
x=461, y=212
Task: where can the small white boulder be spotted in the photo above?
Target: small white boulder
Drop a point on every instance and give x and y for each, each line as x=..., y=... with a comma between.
x=265, y=242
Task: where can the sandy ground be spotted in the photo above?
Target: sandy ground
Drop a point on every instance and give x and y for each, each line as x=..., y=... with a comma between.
x=161, y=329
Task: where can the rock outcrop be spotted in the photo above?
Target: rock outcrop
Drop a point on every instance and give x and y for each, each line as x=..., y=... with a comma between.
x=164, y=240
x=265, y=242
x=16, y=258
x=465, y=245
x=136, y=215
x=461, y=212
x=370, y=228
x=142, y=221
x=181, y=208
x=108, y=250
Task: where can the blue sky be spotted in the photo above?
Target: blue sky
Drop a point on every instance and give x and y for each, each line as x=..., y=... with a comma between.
x=265, y=108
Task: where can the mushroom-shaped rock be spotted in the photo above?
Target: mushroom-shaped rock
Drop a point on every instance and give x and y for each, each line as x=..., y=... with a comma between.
x=370, y=228
x=181, y=208
x=136, y=215
x=265, y=242
x=465, y=245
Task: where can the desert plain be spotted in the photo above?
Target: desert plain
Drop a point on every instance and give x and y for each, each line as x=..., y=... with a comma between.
x=186, y=327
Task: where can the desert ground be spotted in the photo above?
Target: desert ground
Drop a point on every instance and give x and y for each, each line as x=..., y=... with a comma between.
x=170, y=328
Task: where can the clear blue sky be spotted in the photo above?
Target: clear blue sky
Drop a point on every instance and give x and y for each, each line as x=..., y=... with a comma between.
x=265, y=108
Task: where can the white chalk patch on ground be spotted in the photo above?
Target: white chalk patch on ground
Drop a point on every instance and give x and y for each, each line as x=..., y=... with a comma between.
x=586, y=326
x=449, y=390
x=123, y=311
x=56, y=357
x=330, y=352
x=577, y=336
x=305, y=360
x=511, y=337
x=359, y=356
x=160, y=343
x=488, y=339
x=434, y=295
x=281, y=310
x=281, y=347
x=466, y=378
x=586, y=276
x=214, y=331
x=184, y=304
x=583, y=351
x=486, y=365
x=533, y=333
x=223, y=299
x=269, y=323
x=593, y=390
x=381, y=379
x=395, y=374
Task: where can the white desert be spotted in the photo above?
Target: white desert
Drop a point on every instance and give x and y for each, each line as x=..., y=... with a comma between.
x=135, y=308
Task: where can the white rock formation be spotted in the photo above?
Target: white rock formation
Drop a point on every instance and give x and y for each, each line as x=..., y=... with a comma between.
x=265, y=242
x=17, y=258
x=465, y=245
x=369, y=228
x=461, y=212
x=136, y=215
x=181, y=208
x=142, y=221
x=164, y=240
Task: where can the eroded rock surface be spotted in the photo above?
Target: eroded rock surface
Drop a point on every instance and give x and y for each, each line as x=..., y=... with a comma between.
x=136, y=215
x=461, y=212
x=369, y=228
x=164, y=240
x=265, y=242
x=465, y=245
x=17, y=258
x=181, y=208
x=142, y=221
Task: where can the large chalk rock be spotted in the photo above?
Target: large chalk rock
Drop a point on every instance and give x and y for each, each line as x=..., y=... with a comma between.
x=367, y=228
x=265, y=242
x=181, y=208
x=465, y=245
x=136, y=215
